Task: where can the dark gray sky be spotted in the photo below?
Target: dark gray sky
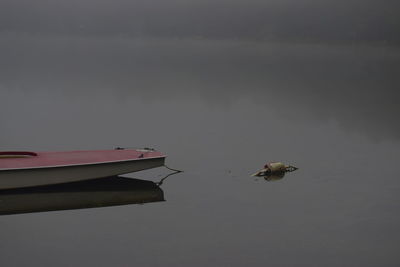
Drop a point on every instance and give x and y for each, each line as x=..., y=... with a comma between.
x=289, y=20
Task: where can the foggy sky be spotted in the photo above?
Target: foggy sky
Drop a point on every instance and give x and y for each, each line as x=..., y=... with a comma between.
x=289, y=20
x=212, y=49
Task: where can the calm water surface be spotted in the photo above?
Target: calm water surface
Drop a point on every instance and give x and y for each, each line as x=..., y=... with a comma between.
x=220, y=110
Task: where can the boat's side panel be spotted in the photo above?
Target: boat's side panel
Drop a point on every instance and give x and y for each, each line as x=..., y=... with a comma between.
x=65, y=174
x=12, y=160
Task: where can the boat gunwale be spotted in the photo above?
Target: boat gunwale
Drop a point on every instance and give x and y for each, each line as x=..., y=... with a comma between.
x=18, y=153
x=82, y=164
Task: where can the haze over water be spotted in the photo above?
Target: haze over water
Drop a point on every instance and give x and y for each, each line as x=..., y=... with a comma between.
x=220, y=103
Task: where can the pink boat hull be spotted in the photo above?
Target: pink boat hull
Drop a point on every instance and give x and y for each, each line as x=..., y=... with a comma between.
x=44, y=168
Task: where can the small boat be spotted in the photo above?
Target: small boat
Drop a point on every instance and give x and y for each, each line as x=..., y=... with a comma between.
x=26, y=169
x=102, y=192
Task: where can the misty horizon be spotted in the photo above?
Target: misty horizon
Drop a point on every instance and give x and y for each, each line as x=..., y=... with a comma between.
x=327, y=21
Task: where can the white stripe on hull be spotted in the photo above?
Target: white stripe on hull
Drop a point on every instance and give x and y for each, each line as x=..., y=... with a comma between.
x=64, y=174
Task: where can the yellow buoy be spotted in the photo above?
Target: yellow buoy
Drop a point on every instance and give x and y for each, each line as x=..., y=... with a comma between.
x=275, y=169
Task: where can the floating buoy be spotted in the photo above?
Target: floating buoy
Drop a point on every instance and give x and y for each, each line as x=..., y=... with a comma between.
x=275, y=167
x=274, y=171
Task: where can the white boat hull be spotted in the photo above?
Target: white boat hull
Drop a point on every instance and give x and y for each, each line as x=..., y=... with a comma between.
x=29, y=177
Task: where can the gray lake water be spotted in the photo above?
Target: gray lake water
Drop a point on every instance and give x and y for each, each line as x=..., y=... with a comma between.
x=220, y=110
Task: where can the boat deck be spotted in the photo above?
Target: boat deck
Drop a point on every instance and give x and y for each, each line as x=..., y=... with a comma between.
x=27, y=160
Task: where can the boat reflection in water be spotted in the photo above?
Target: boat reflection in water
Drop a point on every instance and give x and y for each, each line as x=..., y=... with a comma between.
x=104, y=192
